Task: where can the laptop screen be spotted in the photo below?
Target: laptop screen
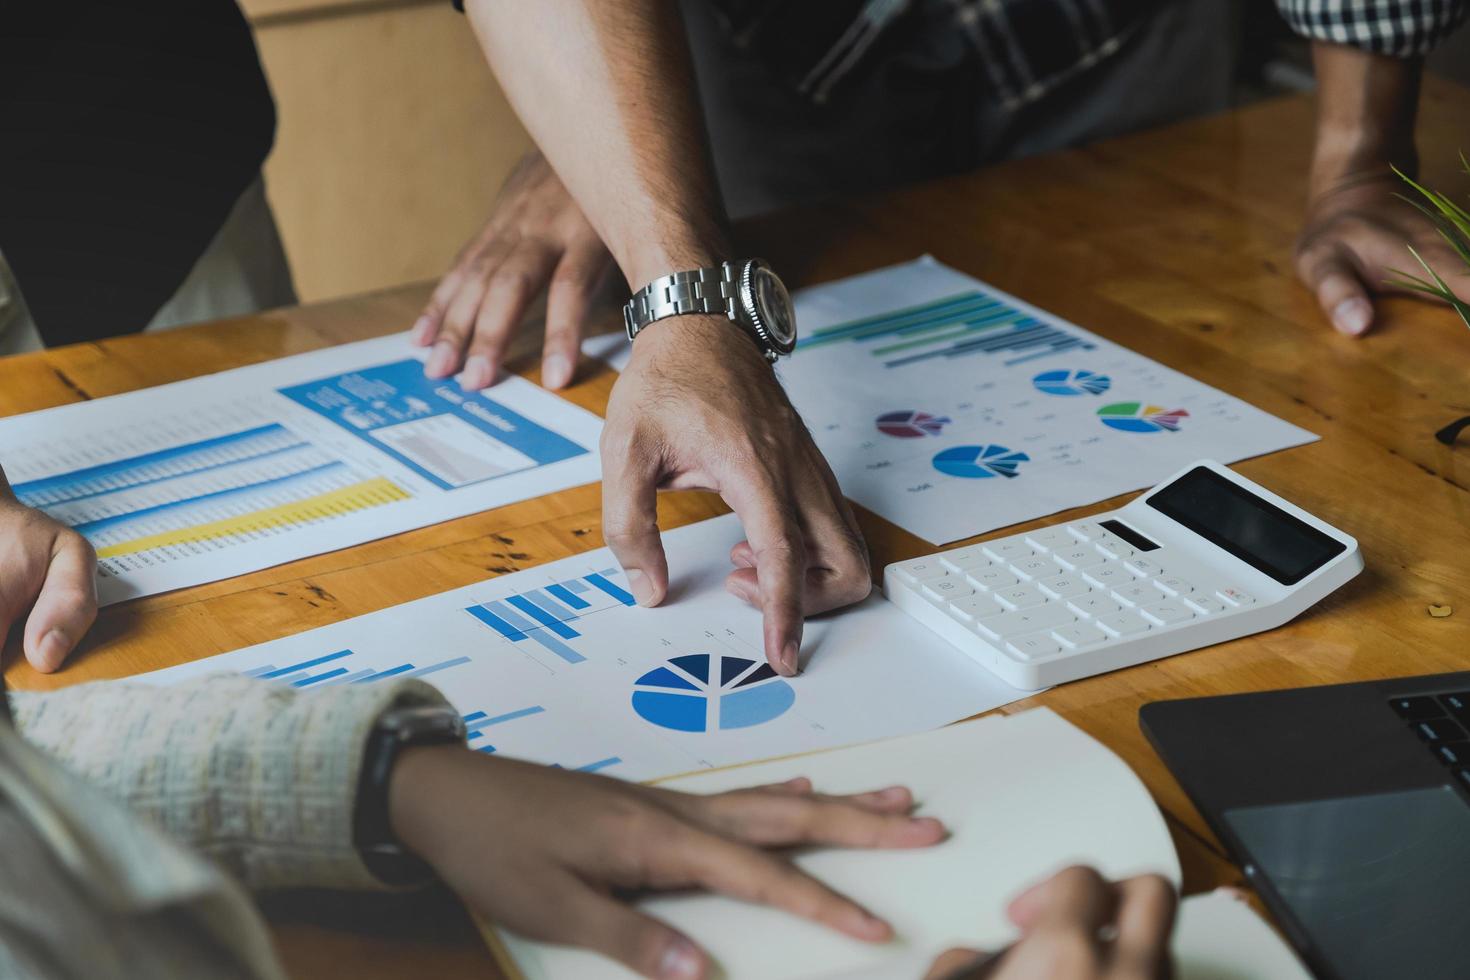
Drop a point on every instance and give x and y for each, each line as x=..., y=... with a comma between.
x=1380, y=884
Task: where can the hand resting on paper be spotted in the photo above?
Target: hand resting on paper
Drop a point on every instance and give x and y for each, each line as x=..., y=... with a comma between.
x=546, y=852
x=46, y=579
x=1077, y=926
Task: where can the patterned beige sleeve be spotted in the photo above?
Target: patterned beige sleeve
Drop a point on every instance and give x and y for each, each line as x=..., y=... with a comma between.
x=257, y=776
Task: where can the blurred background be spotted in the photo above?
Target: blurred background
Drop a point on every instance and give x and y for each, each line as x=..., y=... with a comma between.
x=394, y=137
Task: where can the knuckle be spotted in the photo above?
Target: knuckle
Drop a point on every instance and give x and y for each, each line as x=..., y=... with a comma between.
x=1154, y=890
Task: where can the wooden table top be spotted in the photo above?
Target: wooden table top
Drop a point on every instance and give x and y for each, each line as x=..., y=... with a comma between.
x=1175, y=243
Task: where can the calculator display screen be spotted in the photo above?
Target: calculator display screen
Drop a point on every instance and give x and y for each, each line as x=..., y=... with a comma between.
x=1254, y=530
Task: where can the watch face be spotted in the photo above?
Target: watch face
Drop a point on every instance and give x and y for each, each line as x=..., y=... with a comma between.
x=774, y=304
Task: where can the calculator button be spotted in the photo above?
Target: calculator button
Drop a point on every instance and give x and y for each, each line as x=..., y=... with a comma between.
x=1074, y=558
x=973, y=607
x=1034, y=647
x=1019, y=597
x=1050, y=539
x=1062, y=586
x=1029, y=568
x=949, y=587
x=1109, y=575
x=1080, y=635
x=1173, y=585
x=1205, y=605
x=1121, y=624
x=963, y=559
x=994, y=577
x=1023, y=621
x=1143, y=568
x=1167, y=613
x=1008, y=550
x=1093, y=604
x=923, y=570
x=1236, y=597
x=1086, y=530
x=1114, y=548
x=1136, y=594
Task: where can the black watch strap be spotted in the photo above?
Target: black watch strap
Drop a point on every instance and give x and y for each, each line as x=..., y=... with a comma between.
x=372, y=829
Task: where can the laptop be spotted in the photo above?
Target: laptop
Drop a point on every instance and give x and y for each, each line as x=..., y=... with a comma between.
x=1348, y=807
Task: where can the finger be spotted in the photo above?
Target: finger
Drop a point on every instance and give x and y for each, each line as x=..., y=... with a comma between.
x=426, y=328
x=1074, y=898
x=1331, y=274
x=752, y=875
x=630, y=514
x=573, y=284
x=742, y=555
x=640, y=942
x=66, y=606
x=520, y=276
x=1146, y=907
x=777, y=543
x=456, y=327
x=777, y=820
x=837, y=573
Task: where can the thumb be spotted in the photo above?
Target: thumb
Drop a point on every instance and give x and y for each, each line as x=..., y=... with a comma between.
x=638, y=941
x=1334, y=278
x=66, y=606
x=630, y=522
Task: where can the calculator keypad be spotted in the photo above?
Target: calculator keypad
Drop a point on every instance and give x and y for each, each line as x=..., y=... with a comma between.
x=1065, y=589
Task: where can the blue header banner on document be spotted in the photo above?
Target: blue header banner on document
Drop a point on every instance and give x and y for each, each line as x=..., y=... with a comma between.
x=449, y=436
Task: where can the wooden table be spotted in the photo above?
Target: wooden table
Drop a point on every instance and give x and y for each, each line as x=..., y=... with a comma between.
x=1175, y=243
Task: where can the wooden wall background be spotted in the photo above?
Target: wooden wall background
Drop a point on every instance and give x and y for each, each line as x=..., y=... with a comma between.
x=392, y=142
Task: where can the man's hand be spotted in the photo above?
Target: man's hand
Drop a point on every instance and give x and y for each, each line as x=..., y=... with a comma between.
x=46, y=570
x=699, y=408
x=536, y=239
x=1076, y=926
x=1356, y=232
x=1357, y=235
x=544, y=851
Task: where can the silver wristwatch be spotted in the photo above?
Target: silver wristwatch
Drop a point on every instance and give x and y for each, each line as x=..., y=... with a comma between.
x=748, y=292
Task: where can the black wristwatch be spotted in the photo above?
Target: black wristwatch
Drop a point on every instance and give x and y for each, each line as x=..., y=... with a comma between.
x=372, y=827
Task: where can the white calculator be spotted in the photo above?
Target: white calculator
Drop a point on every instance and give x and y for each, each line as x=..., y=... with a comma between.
x=1205, y=557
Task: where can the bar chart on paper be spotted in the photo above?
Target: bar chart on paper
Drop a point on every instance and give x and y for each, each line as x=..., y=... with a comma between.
x=558, y=665
x=186, y=498
x=220, y=475
x=921, y=385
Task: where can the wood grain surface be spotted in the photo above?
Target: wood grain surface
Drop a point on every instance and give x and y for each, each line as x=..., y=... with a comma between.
x=1175, y=243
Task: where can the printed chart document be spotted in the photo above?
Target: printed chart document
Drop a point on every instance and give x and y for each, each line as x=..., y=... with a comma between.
x=221, y=475
x=557, y=665
x=1023, y=797
x=951, y=408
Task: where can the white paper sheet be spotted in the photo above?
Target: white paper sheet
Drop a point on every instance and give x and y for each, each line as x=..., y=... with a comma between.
x=633, y=692
x=1023, y=797
x=951, y=408
x=225, y=474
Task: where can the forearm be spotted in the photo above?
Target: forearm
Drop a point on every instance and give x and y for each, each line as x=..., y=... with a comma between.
x=606, y=89
x=258, y=777
x=1366, y=108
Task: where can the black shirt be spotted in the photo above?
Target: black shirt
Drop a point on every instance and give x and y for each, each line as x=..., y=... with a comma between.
x=128, y=129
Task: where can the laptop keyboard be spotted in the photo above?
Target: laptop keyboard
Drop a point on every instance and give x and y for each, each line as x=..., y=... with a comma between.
x=1440, y=721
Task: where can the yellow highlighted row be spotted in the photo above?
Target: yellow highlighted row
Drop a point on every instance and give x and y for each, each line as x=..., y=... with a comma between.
x=336, y=503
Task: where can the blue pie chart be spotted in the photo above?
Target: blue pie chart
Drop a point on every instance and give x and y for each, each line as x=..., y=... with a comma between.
x=1072, y=383
x=702, y=692
x=979, y=462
